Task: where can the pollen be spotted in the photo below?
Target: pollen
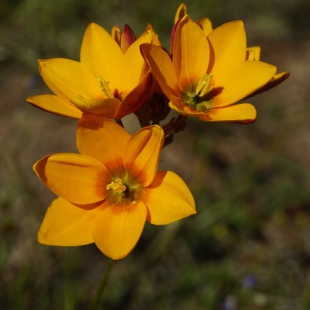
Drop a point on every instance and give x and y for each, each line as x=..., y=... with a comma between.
x=117, y=186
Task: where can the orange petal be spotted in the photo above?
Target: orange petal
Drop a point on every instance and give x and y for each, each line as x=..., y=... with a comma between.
x=190, y=53
x=253, y=53
x=242, y=80
x=54, y=104
x=206, y=25
x=118, y=229
x=142, y=153
x=276, y=80
x=77, y=178
x=102, y=55
x=102, y=139
x=133, y=67
x=168, y=199
x=155, y=38
x=162, y=68
x=116, y=34
x=69, y=79
x=136, y=98
x=66, y=224
x=180, y=13
x=228, y=47
x=104, y=107
x=244, y=113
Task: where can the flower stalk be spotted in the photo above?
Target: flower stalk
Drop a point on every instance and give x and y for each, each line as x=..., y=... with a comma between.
x=99, y=294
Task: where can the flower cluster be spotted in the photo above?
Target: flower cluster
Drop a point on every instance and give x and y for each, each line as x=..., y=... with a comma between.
x=108, y=190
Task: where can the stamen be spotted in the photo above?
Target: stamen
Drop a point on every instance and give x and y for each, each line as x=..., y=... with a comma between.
x=203, y=86
x=104, y=86
x=199, y=99
x=117, y=186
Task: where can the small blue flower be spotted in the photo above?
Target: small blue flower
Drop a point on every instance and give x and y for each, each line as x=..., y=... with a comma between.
x=229, y=303
x=249, y=281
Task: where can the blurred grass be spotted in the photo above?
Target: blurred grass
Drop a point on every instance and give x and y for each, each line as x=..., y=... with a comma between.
x=249, y=245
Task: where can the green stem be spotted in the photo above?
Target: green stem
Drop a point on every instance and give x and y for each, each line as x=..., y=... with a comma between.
x=97, y=301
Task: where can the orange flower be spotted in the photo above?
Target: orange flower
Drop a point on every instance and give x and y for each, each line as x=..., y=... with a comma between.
x=253, y=52
x=107, y=192
x=208, y=75
x=107, y=81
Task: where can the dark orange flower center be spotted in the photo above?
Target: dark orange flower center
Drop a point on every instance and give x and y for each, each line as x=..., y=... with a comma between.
x=124, y=190
x=199, y=97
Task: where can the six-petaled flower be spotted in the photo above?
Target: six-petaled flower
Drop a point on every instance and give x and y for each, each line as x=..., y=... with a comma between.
x=208, y=75
x=108, y=191
x=107, y=81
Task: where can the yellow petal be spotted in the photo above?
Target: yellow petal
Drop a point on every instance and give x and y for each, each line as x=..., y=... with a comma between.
x=206, y=25
x=155, y=38
x=243, y=113
x=142, y=153
x=241, y=80
x=253, y=53
x=276, y=80
x=102, y=55
x=168, y=199
x=228, y=45
x=136, y=98
x=190, y=53
x=133, y=67
x=77, y=178
x=180, y=13
x=69, y=79
x=162, y=68
x=102, y=139
x=118, y=229
x=116, y=34
x=66, y=224
x=103, y=107
x=54, y=104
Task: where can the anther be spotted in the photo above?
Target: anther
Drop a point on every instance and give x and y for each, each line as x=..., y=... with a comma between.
x=117, y=186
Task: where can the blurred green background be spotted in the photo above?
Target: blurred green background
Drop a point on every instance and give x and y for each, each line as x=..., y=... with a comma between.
x=249, y=245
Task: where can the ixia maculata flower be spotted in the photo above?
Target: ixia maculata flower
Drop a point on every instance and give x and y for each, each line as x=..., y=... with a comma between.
x=252, y=53
x=208, y=75
x=108, y=81
x=108, y=191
